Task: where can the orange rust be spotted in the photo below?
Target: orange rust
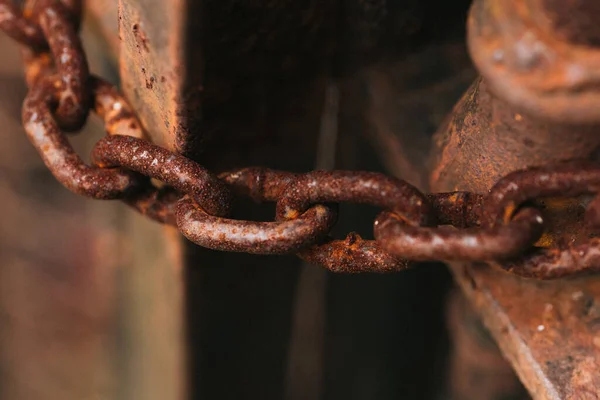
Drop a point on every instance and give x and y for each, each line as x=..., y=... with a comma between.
x=169, y=109
x=509, y=212
x=529, y=63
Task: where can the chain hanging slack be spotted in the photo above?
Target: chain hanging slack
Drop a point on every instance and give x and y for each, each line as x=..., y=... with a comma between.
x=501, y=226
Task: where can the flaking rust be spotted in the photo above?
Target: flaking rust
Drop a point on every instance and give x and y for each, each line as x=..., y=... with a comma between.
x=354, y=254
x=258, y=183
x=180, y=173
x=280, y=237
x=65, y=65
x=470, y=244
x=60, y=157
x=502, y=225
x=568, y=179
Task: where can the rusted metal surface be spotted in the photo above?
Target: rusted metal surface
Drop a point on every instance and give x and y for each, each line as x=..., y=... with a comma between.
x=244, y=114
x=568, y=179
x=253, y=237
x=409, y=228
x=528, y=111
x=500, y=298
x=60, y=157
x=71, y=84
x=459, y=209
x=446, y=243
x=501, y=237
x=353, y=254
x=258, y=183
x=161, y=76
x=24, y=26
x=552, y=342
x=526, y=141
x=350, y=255
x=153, y=161
x=162, y=307
x=278, y=237
x=572, y=179
x=415, y=241
x=536, y=60
x=357, y=187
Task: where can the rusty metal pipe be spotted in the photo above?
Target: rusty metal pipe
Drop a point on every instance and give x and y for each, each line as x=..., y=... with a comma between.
x=487, y=138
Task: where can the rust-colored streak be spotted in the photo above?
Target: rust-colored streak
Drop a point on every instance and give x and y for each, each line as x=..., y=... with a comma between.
x=175, y=170
x=253, y=237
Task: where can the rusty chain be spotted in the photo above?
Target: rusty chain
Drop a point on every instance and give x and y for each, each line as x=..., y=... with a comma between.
x=500, y=226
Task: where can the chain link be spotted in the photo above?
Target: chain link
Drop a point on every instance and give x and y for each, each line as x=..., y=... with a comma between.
x=501, y=226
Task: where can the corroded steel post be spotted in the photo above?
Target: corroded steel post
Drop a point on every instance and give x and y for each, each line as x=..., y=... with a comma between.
x=536, y=103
